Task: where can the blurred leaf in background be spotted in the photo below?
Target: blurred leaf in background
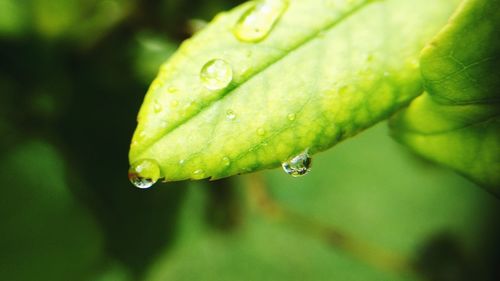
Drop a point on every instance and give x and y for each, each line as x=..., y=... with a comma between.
x=366, y=211
x=457, y=122
x=44, y=230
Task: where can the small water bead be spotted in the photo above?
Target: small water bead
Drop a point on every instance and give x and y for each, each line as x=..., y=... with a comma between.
x=261, y=131
x=369, y=57
x=291, y=116
x=174, y=103
x=198, y=174
x=230, y=115
x=226, y=161
x=216, y=74
x=144, y=173
x=157, y=107
x=343, y=90
x=258, y=21
x=298, y=165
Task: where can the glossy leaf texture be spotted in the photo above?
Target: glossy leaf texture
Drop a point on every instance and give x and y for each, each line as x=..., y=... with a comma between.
x=317, y=73
x=456, y=122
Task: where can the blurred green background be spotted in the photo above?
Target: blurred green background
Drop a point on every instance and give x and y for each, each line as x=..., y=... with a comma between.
x=73, y=74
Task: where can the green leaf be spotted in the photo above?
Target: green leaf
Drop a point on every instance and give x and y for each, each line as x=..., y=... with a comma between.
x=325, y=71
x=457, y=122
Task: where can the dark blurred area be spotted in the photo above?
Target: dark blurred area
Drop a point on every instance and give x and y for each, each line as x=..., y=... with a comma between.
x=73, y=74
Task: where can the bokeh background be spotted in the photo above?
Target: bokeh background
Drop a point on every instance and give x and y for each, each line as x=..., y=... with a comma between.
x=73, y=74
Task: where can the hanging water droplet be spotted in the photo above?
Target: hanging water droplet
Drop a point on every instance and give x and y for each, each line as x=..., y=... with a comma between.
x=291, y=116
x=216, y=74
x=257, y=22
x=230, y=115
x=144, y=173
x=298, y=165
x=198, y=174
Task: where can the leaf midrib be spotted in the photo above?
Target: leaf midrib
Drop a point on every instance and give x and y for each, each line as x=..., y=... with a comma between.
x=272, y=62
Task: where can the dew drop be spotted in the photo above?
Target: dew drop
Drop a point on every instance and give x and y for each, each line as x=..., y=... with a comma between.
x=157, y=107
x=144, y=173
x=230, y=115
x=298, y=165
x=291, y=116
x=369, y=57
x=226, y=161
x=343, y=90
x=261, y=131
x=258, y=21
x=216, y=74
x=198, y=174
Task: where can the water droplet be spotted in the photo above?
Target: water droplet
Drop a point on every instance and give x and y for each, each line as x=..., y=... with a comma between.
x=226, y=161
x=230, y=115
x=369, y=57
x=414, y=63
x=198, y=174
x=298, y=165
x=157, y=107
x=257, y=22
x=261, y=131
x=291, y=116
x=144, y=173
x=343, y=90
x=182, y=161
x=216, y=74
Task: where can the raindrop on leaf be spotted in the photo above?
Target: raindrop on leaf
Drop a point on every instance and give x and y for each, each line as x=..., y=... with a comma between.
x=258, y=21
x=216, y=74
x=144, y=173
x=298, y=165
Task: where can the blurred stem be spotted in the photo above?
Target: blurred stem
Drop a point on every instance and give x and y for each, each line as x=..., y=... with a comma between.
x=263, y=203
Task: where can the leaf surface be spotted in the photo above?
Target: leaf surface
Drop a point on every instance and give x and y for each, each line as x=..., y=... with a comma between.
x=456, y=122
x=324, y=72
